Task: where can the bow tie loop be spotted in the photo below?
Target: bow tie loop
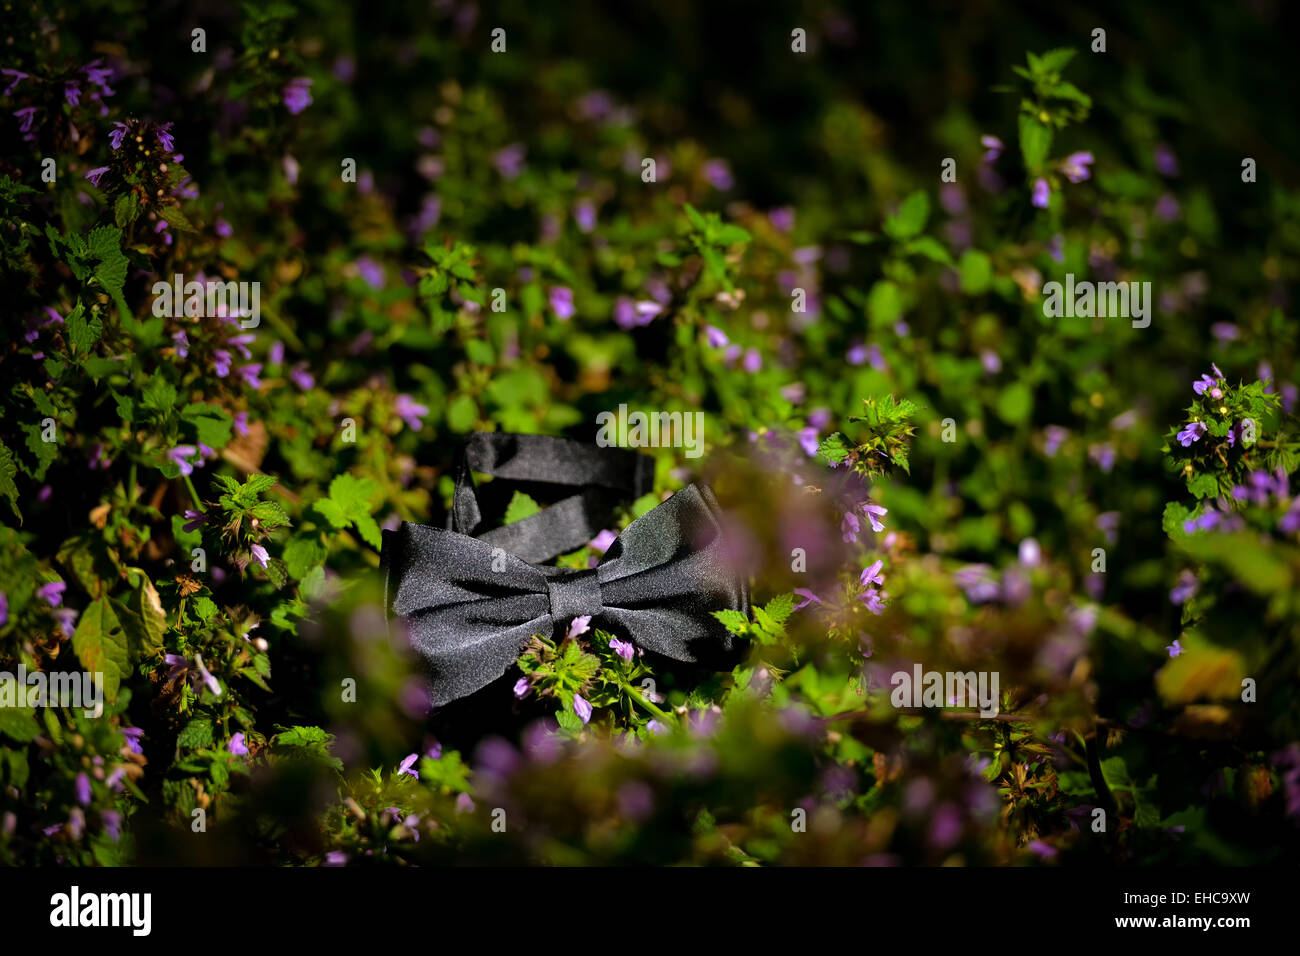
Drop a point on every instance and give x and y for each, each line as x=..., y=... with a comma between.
x=574, y=594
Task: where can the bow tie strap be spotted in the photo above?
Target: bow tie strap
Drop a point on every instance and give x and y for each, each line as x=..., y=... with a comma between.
x=605, y=475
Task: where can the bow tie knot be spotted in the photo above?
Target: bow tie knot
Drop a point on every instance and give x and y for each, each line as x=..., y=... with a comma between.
x=574, y=594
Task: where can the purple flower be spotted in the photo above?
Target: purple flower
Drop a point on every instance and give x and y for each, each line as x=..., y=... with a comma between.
x=1031, y=555
x=182, y=343
x=646, y=311
x=115, y=137
x=237, y=746
x=407, y=766
x=579, y=625
x=194, y=520
x=411, y=412
x=625, y=316
x=782, y=218
x=221, y=362
x=249, y=373
x=98, y=75
x=96, y=174
x=301, y=377
x=994, y=147
x=165, y=138
x=207, y=677
x=112, y=821
x=871, y=574
x=718, y=174
x=808, y=598
x=509, y=161
x=1043, y=850
x=872, y=511
x=1041, y=194
x=977, y=581
x=624, y=649
x=1175, y=648
x=336, y=858
x=1191, y=433
x=180, y=456
x=17, y=77
x=581, y=708
x=521, y=688
x=52, y=592
x=809, y=441
x=370, y=271
x=872, y=599
x=297, y=95
x=715, y=336
x=71, y=92
x=1205, y=382
x=1185, y=588
x=752, y=361
x=1054, y=437
x=25, y=117
x=850, y=526
x=1166, y=163
x=260, y=555
x=1203, y=522
x=561, y=299
x=133, y=735
x=584, y=216
x=83, y=789
x=1075, y=166
x=602, y=541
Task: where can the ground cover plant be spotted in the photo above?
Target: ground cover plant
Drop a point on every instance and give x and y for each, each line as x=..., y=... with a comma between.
x=840, y=250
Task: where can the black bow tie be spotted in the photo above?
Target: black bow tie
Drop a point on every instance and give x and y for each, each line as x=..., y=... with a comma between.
x=470, y=604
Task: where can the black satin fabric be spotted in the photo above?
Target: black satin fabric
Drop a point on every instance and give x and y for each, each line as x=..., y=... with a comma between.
x=655, y=586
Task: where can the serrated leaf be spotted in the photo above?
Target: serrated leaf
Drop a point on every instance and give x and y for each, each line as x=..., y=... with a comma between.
x=7, y=486
x=734, y=621
x=521, y=506
x=195, y=735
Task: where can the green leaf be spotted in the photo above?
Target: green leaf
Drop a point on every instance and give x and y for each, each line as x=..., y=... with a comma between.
x=834, y=448
x=101, y=645
x=975, y=271
x=7, y=486
x=734, y=621
x=1035, y=142
x=126, y=209
x=780, y=607
x=303, y=553
x=930, y=248
x=213, y=426
x=82, y=334
x=521, y=506
x=1016, y=403
x=911, y=216
x=1204, y=485
x=196, y=735
x=173, y=216
x=462, y=413
x=19, y=722
x=884, y=303
x=159, y=395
